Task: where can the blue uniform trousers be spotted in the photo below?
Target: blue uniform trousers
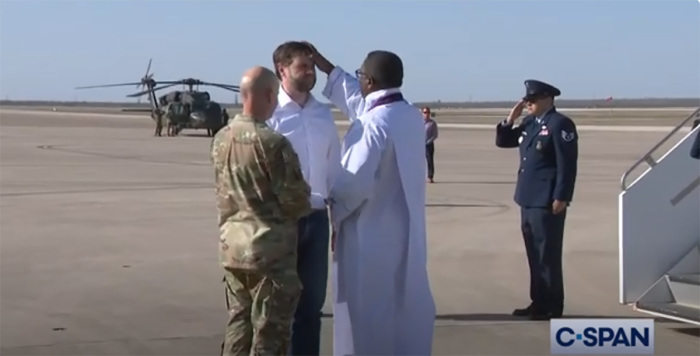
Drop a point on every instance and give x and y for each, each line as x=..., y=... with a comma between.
x=312, y=267
x=543, y=233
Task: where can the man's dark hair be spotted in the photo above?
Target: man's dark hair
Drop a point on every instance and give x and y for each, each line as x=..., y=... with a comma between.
x=285, y=53
x=386, y=68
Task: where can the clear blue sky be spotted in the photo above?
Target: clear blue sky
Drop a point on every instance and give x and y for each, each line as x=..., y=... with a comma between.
x=452, y=50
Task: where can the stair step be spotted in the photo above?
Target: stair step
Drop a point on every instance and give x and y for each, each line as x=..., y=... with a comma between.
x=685, y=278
x=685, y=289
x=673, y=310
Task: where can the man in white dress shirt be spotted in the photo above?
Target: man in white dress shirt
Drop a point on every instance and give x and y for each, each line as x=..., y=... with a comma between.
x=309, y=126
x=383, y=304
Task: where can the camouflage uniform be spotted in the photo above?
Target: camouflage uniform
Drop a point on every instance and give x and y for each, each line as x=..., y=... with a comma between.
x=261, y=193
x=159, y=125
x=159, y=118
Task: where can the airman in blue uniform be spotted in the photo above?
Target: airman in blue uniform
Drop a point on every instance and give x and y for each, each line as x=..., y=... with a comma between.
x=548, y=143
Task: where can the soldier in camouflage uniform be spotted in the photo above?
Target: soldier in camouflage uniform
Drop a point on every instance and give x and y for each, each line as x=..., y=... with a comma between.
x=159, y=121
x=261, y=193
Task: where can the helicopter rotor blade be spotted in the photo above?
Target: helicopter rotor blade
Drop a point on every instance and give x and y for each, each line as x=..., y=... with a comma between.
x=218, y=84
x=147, y=91
x=148, y=69
x=169, y=82
x=109, y=85
x=232, y=88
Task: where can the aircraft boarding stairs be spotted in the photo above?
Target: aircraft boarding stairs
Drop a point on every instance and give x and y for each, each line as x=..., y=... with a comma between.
x=659, y=232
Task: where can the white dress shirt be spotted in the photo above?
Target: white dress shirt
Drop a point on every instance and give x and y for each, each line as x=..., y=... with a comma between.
x=314, y=136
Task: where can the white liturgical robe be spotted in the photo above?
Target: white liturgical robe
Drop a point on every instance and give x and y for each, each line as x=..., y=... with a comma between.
x=382, y=303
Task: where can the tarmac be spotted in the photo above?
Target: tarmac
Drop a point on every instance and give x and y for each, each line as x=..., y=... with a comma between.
x=109, y=241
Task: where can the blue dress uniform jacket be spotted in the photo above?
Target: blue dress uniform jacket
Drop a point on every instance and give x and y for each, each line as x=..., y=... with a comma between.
x=548, y=158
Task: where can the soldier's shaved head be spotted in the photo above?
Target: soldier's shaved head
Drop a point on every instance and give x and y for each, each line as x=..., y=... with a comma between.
x=259, y=89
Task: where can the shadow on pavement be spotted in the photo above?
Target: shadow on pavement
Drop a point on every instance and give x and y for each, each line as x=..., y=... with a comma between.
x=690, y=331
x=509, y=317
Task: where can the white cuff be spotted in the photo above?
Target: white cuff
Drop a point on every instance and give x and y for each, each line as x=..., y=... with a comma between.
x=332, y=77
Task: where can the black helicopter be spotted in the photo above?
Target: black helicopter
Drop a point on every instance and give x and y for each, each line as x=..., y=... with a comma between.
x=179, y=109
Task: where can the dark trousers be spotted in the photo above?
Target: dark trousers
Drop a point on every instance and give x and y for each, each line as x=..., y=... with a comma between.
x=543, y=233
x=312, y=266
x=429, y=153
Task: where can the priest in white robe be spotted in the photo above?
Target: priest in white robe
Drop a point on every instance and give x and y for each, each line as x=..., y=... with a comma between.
x=383, y=304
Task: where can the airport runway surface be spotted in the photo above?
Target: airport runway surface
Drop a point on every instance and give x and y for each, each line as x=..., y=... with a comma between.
x=109, y=242
x=477, y=118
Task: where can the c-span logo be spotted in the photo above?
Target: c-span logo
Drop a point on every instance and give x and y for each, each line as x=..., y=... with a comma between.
x=602, y=336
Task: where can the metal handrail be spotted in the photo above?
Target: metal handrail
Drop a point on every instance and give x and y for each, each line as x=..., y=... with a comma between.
x=647, y=157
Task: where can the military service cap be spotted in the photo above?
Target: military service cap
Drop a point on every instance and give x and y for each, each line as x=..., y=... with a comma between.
x=537, y=89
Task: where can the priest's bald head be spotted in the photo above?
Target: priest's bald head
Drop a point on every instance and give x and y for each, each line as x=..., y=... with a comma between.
x=259, y=89
x=380, y=70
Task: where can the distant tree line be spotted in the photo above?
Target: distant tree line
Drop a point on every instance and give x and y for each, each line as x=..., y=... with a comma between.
x=565, y=103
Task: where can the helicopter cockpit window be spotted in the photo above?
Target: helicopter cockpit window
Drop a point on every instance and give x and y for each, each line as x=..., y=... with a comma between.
x=176, y=108
x=197, y=104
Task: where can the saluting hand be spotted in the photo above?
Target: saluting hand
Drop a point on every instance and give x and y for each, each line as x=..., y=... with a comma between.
x=516, y=111
x=558, y=207
x=323, y=64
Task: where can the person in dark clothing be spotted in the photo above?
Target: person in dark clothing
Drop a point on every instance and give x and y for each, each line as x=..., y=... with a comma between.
x=431, y=134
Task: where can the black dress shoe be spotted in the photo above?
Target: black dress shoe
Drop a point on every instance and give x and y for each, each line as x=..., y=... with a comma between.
x=523, y=312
